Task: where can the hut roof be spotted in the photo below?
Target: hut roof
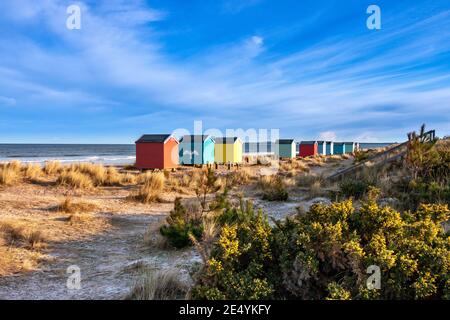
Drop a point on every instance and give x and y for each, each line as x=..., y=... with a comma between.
x=308, y=142
x=285, y=141
x=155, y=138
x=196, y=137
x=226, y=140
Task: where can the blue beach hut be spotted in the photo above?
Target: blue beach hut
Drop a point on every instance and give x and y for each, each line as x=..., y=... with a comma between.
x=338, y=148
x=196, y=149
x=329, y=148
x=322, y=147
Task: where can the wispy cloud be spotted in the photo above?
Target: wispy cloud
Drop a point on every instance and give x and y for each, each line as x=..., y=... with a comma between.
x=347, y=87
x=235, y=6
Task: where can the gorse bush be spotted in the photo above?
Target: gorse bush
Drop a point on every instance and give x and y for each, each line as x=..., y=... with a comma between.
x=325, y=253
x=180, y=225
x=239, y=264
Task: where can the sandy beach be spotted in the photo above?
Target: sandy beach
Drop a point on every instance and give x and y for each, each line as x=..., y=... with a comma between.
x=106, y=238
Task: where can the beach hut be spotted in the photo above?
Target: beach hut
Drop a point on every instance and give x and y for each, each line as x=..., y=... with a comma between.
x=285, y=148
x=308, y=148
x=196, y=149
x=349, y=147
x=156, y=151
x=329, y=149
x=321, y=147
x=228, y=150
x=339, y=148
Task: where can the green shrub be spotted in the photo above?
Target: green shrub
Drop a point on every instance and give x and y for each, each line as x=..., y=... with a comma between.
x=414, y=192
x=353, y=188
x=325, y=253
x=180, y=225
x=238, y=266
x=361, y=155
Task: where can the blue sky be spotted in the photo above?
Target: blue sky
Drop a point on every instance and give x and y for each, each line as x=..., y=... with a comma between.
x=311, y=69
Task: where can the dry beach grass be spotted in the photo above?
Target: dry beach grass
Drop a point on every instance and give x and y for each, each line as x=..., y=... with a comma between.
x=59, y=215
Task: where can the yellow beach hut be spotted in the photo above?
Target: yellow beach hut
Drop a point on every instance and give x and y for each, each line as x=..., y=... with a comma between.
x=228, y=150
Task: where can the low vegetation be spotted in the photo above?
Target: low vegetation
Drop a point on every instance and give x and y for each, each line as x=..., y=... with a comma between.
x=74, y=179
x=151, y=188
x=52, y=167
x=273, y=188
x=324, y=254
x=8, y=176
x=181, y=225
x=351, y=188
x=32, y=171
x=70, y=206
x=159, y=285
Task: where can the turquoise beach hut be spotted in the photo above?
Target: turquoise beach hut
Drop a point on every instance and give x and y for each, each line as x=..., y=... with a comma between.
x=329, y=148
x=196, y=149
x=322, y=147
x=285, y=148
x=325, y=147
x=349, y=147
x=339, y=148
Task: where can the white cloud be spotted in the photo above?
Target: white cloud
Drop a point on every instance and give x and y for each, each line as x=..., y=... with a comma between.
x=328, y=136
x=258, y=40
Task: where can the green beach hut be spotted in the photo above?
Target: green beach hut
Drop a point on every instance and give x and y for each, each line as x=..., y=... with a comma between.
x=349, y=147
x=285, y=148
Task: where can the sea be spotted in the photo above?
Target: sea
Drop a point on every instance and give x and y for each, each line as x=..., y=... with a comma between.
x=113, y=154
x=109, y=154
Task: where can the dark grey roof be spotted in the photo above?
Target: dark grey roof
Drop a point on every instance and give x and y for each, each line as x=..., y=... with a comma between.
x=195, y=137
x=348, y=142
x=339, y=143
x=153, y=138
x=225, y=140
x=284, y=141
x=308, y=142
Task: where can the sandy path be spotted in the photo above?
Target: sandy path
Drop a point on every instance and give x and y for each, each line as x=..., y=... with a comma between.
x=106, y=262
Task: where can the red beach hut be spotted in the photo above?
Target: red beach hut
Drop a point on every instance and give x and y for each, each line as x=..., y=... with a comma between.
x=308, y=148
x=156, y=151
